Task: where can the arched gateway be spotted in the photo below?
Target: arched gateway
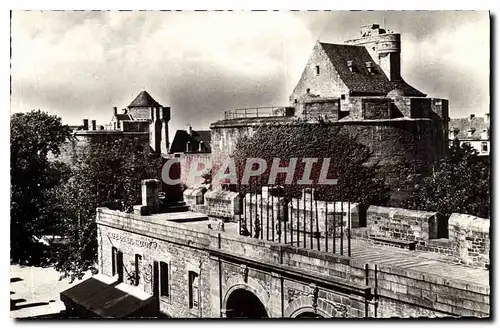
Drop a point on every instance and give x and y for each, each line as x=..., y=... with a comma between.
x=242, y=303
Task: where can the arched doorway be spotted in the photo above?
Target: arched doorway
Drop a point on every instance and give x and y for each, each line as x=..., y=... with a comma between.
x=309, y=315
x=242, y=303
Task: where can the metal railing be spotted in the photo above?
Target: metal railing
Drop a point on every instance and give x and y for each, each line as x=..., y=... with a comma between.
x=302, y=222
x=255, y=112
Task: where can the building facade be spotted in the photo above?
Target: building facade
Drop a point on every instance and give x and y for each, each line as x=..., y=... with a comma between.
x=472, y=130
x=155, y=263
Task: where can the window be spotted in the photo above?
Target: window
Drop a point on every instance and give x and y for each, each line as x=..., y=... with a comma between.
x=164, y=279
x=317, y=70
x=484, y=146
x=193, y=290
x=114, y=258
x=138, y=262
x=342, y=97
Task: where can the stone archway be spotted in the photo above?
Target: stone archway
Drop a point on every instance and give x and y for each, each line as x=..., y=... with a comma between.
x=250, y=284
x=242, y=303
x=302, y=307
x=308, y=315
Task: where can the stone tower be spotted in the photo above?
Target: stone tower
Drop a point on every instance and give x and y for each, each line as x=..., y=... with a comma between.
x=144, y=107
x=385, y=49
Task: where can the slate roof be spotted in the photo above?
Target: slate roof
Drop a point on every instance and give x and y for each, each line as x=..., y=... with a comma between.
x=123, y=117
x=360, y=81
x=182, y=137
x=144, y=99
x=102, y=300
x=464, y=124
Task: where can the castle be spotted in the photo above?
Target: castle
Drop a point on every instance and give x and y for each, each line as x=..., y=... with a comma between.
x=320, y=259
x=357, y=86
x=144, y=121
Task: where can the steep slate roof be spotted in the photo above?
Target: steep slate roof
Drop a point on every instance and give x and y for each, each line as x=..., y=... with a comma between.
x=144, y=99
x=123, y=117
x=464, y=124
x=182, y=137
x=360, y=81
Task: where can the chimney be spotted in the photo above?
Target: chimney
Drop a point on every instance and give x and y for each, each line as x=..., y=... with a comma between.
x=150, y=189
x=115, y=111
x=94, y=125
x=472, y=116
x=85, y=124
x=201, y=146
x=190, y=130
x=187, y=146
x=349, y=65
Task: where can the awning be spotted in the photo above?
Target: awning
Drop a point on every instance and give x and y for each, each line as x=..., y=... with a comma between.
x=103, y=297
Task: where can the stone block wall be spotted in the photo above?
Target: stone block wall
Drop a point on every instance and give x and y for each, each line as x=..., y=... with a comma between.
x=406, y=293
x=397, y=291
x=190, y=163
x=180, y=258
x=400, y=224
x=194, y=196
x=222, y=204
x=326, y=108
x=470, y=239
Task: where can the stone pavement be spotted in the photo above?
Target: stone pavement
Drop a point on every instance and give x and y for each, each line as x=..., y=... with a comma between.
x=420, y=261
x=34, y=291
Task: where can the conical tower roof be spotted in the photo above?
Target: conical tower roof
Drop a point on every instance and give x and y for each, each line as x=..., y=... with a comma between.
x=144, y=99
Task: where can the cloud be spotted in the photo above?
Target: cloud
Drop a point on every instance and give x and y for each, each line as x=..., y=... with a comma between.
x=81, y=64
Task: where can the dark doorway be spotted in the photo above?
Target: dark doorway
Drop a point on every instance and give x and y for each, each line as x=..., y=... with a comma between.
x=119, y=264
x=308, y=315
x=244, y=304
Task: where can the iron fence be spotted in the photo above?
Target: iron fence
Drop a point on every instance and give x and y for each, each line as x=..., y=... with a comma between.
x=258, y=112
x=302, y=222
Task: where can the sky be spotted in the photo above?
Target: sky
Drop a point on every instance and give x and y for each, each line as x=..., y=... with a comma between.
x=80, y=64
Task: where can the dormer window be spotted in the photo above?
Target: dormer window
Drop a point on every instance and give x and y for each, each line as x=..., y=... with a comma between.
x=369, y=66
x=350, y=65
x=470, y=132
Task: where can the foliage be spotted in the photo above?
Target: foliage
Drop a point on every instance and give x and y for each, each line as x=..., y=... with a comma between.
x=459, y=183
x=358, y=181
x=33, y=136
x=107, y=175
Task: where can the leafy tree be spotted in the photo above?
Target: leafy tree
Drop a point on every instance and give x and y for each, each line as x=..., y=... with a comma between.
x=459, y=183
x=357, y=180
x=108, y=174
x=33, y=136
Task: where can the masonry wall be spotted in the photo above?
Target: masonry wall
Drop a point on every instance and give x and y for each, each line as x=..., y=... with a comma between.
x=398, y=291
x=222, y=204
x=401, y=224
x=470, y=239
x=325, y=84
x=193, y=165
x=467, y=241
x=180, y=258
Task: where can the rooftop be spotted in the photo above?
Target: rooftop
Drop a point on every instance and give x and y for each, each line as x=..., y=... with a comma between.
x=360, y=80
x=144, y=99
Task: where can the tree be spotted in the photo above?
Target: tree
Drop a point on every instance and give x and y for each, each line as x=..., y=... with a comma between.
x=358, y=181
x=33, y=136
x=107, y=175
x=459, y=183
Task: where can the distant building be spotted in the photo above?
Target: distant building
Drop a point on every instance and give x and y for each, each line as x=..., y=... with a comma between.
x=144, y=121
x=358, y=86
x=472, y=130
x=191, y=141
